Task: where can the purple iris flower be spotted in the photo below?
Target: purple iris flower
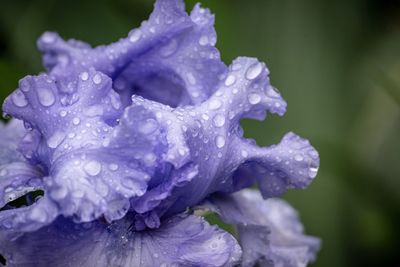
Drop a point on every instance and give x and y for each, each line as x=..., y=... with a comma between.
x=131, y=140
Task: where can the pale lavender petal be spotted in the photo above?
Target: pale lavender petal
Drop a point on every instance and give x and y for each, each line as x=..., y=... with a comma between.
x=11, y=134
x=171, y=58
x=209, y=136
x=181, y=241
x=269, y=230
x=72, y=123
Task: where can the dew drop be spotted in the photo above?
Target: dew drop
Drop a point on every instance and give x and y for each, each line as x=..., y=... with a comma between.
x=219, y=120
x=205, y=117
x=84, y=76
x=135, y=35
x=254, y=98
x=19, y=99
x=220, y=141
x=231, y=79
x=298, y=157
x=46, y=96
x=312, y=172
x=113, y=167
x=254, y=71
x=48, y=37
x=182, y=151
x=97, y=78
x=244, y=153
x=214, y=104
x=76, y=121
x=203, y=40
x=55, y=140
x=92, y=168
x=63, y=113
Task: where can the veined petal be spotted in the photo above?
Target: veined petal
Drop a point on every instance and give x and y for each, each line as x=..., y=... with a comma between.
x=72, y=124
x=171, y=58
x=11, y=135
x=209, y=136
x=183, y=240
x=269, y=230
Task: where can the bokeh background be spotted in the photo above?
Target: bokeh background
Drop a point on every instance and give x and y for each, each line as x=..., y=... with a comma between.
x=337, y=63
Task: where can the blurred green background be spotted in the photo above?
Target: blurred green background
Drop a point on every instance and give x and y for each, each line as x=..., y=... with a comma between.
x=337, y=63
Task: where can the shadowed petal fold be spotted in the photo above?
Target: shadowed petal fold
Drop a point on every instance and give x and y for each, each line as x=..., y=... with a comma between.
x=183, y=240
x=209, y=137
x=171, y=58
x=72, y=126
x=269, y=230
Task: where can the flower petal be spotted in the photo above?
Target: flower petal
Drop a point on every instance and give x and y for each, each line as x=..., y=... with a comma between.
x=72, y=124
x=11, y=135
x=269, y=230
x=181, y=241
x=171, y=58
x=209, y=136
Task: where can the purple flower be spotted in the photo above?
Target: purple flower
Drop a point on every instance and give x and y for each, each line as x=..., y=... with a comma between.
x=126, y=140
x=269, y=230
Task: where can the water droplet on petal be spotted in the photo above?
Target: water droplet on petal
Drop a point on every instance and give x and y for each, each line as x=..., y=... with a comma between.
x=46, y=96
x=220, y=141
x=19, y=99
x=55, y=140
x=219, y=120
x=231, y=79
x=254, y=71
x=244, y=153
x=312, y=172
x=298, y=157
x=76, y=121
x=214, y=104
x=84, y=76
x=113, y=167
x=48, y=37
x=92, y=168
x=97, y=78
x=135, y=35
x=203, y=40
x=254, y=98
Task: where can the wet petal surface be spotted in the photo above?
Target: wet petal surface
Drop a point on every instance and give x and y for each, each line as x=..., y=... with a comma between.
x=171, y=58
x=269, y=230
x=184, y=240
